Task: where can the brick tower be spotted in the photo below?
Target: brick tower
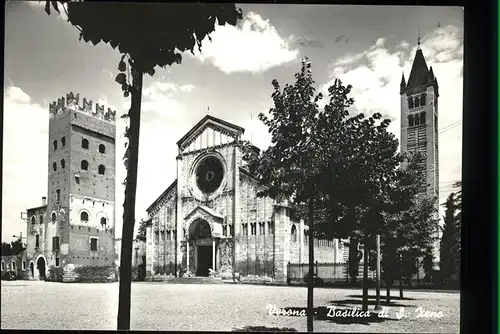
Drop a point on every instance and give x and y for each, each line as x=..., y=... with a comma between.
x=81, y=185
x=419, y=123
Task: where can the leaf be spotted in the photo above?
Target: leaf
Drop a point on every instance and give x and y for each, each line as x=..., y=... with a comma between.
x=125, y=116
x=126, y=94
x=122, y=67
x=151, y=72
x=47, y=7
x=121, y=78
x=54, y=4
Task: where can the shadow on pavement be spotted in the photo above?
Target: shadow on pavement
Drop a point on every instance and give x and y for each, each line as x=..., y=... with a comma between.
x=382, y=297
x=263, y=329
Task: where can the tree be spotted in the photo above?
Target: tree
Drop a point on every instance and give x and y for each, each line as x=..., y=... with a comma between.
x=14, y=248
x=294, y=167
x=141, y=233
x=146, y=35
x=450, y=240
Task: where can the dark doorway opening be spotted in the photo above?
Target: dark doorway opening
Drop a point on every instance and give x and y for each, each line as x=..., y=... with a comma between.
x=204, y=260
x=41, y=268
x=32, y=269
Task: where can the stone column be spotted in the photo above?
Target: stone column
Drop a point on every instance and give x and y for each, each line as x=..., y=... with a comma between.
x=178, y=217
x=149, y=250
x=213, y=255
x=236, y=207
x=187, y=254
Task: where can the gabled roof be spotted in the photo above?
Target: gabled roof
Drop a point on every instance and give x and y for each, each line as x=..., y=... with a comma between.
x=206, y=120
x=207, y=210
x=37, y=208
x=165, y=193
x=419, y=75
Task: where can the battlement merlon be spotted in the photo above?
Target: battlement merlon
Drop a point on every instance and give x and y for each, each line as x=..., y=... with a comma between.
x=71, y=102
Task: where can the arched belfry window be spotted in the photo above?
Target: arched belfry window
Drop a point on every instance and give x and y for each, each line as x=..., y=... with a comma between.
x=422, y=117
x=294, y=233
x=102, y=148
x=417, y=120
x=101, y=169
x=53, y=216
x=55, y=144
x=85, y=143
x=84, y=217
x=84, y=165
x=33, y=220
x=410, y=120
x=410, y=103
x=422, y=100
x=417, y=102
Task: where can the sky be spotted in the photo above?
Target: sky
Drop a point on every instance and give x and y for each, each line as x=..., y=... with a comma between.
x=366, y=46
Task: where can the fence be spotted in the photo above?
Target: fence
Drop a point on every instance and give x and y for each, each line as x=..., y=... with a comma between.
x=329, y=273
x=164, y=269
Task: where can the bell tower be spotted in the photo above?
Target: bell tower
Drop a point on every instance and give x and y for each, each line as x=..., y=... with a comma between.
x=419, y=123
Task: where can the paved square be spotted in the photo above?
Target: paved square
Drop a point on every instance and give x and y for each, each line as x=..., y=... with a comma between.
x=220, y=307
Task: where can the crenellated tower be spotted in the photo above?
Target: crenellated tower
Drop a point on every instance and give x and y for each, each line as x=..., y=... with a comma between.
x=419, y=123
x=81, y=184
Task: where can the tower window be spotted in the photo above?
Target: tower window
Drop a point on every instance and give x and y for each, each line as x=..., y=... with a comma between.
x=294, y=233
x=410, y=103
x=33, y=220
x=53, y=217
x=417, y=121
x=102, y=148
x=422, y=117
x=58, y=195
x=410, y=120
x=417, y=102
x=55, y=243
x=55, y=144
x=245, y=230
x=85, y=144
x=270, y=227
x=37, y=241
x=84, y=217
x=85, y=165
x=422, y=100
x=63, y=141
x=54, y=166
x=101, y=169
x=63, y=163
x=93, y=244
x=103, y=221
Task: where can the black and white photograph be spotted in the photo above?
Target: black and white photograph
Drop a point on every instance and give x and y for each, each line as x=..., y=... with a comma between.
x=232, y=167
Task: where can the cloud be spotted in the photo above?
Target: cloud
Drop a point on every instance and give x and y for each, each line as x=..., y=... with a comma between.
x=305, y=42
x=233, y=48
x=341, y=38
x=25, y=162
x=108, y=73
x=375, y=75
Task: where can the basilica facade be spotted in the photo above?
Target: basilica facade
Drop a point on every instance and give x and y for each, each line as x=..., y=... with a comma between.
x=210, y=217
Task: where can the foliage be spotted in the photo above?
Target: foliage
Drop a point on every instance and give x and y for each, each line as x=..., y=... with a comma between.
x=141, y=233
x=450, y=240
x=14, y=248
x=55, y=274
x=95, y=274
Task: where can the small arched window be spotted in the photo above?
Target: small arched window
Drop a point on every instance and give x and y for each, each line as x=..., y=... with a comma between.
x=410, y=103
x=54, y=166
x=417, y=102
x=85, y=143
x=422, y=100
x=63, y=163
x=422, y=117
x=417, y=120
x=102, y=148
x=63, y=141
x=101, y=169
x=53, y=216
x=84, y=165
x=33, y=220
x=103, y=221
x=84, y=217
x=410, y=120
x=55, y=144
x=294, y=233
x=41, y=219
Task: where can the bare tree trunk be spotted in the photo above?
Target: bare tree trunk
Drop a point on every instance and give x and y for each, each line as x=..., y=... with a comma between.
x=129, y=205
x=401, y=287
x=310, y=283
x=388, y=294
x=365, y=274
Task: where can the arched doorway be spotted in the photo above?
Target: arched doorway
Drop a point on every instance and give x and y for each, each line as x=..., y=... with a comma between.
x=40, y=265
x=32, y=269
x=200, y=234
